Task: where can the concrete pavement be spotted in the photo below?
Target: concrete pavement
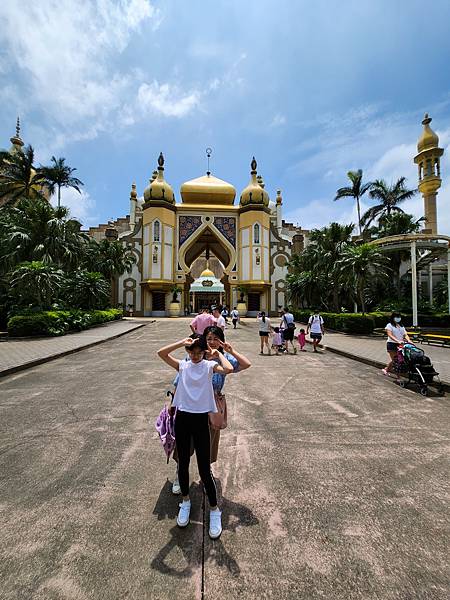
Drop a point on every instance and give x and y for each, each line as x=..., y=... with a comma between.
x=333, y=482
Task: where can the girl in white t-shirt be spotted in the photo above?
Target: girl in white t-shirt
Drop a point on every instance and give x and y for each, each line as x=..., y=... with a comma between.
x=264, y=330
x=194, y=399
x=396, y=335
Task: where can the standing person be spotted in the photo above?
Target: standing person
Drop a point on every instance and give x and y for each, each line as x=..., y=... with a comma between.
x=287, y=325
x=215, y=338
x=277, y=342
x=315, y=325
x=218, y=318
x=264, y=330
x=194, y=399
x=225, y=313
x=234, y=317
x=396, y=335
x=302, y=340
x=201, y=321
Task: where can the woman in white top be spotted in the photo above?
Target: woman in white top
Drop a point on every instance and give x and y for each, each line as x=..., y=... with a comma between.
x=396, y=335
x=194, y=399
x=264, y=330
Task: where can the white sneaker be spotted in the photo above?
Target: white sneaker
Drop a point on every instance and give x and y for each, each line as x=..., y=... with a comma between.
x=183, y=513
x=176, y=489
x=215, y=524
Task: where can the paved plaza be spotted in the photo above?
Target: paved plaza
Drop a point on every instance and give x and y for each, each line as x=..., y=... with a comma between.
x=333, y=481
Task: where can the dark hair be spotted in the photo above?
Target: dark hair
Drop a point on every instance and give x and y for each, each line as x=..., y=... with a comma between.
x=286, y=309
x=198, y=342
x=392, y=317
x=217, y=331
x=263, y=316
x=302, y=331
x=276, y=329
x=234, y=308
x=203, y=308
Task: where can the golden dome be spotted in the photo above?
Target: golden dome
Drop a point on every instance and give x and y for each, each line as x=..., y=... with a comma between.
x=254, y=193
x=158, y=188
x=429, y=138
x=207, y=273
x=207, y=190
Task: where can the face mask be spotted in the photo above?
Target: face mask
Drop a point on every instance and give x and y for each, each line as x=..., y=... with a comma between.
x=397, y=319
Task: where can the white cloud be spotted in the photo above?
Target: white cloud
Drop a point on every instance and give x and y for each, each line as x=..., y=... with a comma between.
x=81, y=205
x=278, y=120
x=166, y=99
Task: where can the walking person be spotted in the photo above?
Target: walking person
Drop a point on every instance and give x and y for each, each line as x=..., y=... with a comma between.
x=225, y=313
x=218, y=318
x=234, y=317
x=264, y=330
x=215, y=339
x=315, y=326
x=396, y=335
x=287, y=325
x=301, y=339
x=194, y=399
x=201, y=321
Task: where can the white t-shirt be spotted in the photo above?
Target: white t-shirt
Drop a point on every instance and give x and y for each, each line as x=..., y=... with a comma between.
x=286, y=319
x=264, y=326
x=194, y=391
x=315, y=323
x=398, y=332
x=220, y=322
x=235, y=314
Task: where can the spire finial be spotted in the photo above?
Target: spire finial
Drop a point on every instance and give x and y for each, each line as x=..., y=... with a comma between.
x=133, y=193
x=18, y=127
x=161, y=161
x=208, y=156
x=253, y=165
x=426, y=119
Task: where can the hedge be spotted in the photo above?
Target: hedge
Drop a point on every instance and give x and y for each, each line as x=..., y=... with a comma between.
x=357, y=323
x=59, y=322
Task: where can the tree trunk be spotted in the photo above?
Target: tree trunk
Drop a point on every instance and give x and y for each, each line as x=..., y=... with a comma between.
x=59, y=196
x=359, y=214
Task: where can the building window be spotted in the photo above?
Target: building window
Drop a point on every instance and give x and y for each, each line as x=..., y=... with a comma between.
x=156, y=233
x=256, y=234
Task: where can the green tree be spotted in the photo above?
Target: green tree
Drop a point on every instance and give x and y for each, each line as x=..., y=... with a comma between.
x=389, y=196
x=60, y=175
x=356, y=191
x=34, y=230
x=398, y=223
x=360, y=266
x=19, y=178
x=35, y=284
x=87, y=290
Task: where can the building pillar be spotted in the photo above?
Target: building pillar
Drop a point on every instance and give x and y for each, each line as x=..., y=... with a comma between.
x=414, y=283
x=448, y=277
x=430, y=283
x=430, y=212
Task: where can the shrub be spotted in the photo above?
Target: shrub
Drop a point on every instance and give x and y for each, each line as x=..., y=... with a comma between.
x=58, y=322
x=346, y=322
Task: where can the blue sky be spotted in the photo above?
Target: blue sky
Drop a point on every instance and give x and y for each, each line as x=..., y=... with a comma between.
x=312, y=89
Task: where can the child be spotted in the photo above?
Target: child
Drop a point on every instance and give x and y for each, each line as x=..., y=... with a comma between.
x=277, y=342
x=194, y=399
x=301, y=339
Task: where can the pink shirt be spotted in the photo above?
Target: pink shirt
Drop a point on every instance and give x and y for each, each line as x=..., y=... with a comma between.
x=276, y=340
x=301, y=339
x=202, y=321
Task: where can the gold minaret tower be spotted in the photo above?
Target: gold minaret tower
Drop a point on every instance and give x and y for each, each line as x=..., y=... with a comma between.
x=429, y=165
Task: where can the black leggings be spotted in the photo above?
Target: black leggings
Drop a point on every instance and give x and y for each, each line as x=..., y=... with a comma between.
x=195, y=425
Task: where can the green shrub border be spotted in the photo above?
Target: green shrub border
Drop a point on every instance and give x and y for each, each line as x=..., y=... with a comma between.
x=357, y=323
x=59, y=322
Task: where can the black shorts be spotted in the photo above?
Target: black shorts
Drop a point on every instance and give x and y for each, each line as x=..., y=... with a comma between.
x=392, y=347
x=263, y=334
x=288, y=334
x=315, y=336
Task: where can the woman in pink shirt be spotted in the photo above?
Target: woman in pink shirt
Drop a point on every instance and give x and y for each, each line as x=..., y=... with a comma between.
x=202, y=321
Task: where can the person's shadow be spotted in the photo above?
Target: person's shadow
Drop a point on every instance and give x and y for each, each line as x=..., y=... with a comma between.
x=190, y=540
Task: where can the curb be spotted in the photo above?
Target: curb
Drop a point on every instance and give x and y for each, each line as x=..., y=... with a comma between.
x=40, y=361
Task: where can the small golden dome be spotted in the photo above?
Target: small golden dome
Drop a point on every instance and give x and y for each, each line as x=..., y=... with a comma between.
x=207, y=273
x=429, y=138
x=207, y=190
x=133, y=193
x=158, y=188
x=254, y=193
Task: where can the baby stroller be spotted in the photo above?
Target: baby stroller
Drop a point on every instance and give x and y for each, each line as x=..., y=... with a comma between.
x=413, y=364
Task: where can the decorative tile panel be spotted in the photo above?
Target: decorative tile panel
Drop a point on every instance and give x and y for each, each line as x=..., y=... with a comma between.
x=227, y=227
x=186, y=227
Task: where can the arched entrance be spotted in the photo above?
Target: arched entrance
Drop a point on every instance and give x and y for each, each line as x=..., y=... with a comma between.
x=207, y=242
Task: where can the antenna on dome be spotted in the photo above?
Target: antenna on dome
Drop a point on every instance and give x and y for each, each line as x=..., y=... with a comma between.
x=208, y=156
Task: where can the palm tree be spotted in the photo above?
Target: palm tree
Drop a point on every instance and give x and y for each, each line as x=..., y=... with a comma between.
x=390, y=196
x=361, y=265
x=36, y=283
x=356, y=190
x=60, y=176
x=87, y=290
x=398, y=223
x=18, y=177
x=34, y=230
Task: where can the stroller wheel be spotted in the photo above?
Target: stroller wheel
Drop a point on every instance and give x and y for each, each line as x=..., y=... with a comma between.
x=424, y=390
x=402, y=383
x=441, y=389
